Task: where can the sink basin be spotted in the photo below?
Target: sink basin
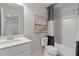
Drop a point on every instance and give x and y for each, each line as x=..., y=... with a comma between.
x=16, y=41
x=8, y=42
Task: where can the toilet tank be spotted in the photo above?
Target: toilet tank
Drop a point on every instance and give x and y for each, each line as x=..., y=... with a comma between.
x=44, y=41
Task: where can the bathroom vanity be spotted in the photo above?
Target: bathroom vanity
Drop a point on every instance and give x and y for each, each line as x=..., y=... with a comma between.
x=11, y=24
x=15, y=47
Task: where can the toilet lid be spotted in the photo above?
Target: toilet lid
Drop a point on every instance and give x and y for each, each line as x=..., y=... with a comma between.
x=51, y=48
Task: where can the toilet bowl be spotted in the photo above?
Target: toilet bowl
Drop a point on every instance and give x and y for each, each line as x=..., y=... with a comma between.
x=49, y=50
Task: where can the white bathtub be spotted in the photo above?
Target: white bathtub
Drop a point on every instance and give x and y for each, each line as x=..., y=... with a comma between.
x=64, y=50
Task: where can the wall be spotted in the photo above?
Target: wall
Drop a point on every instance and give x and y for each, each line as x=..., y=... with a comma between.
x=0, y=22
x=66, y=24
x=30, y=10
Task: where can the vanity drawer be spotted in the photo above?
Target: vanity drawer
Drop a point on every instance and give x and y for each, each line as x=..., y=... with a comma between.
x=4, y=52
x=20, y=48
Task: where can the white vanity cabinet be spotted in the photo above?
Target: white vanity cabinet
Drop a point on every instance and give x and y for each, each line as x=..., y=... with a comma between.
x=21, y=50
x=4, y=52
x=18, y=50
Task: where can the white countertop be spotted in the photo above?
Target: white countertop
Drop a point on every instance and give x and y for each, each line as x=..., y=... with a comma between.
x=14, y=42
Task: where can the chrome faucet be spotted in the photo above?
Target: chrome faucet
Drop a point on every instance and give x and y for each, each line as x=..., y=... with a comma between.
x=10, y=37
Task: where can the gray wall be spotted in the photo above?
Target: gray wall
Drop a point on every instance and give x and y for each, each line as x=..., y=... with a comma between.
x=0, y=22
x=30, y=10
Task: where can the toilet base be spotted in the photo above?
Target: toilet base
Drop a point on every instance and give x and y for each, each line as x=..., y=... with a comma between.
x=50, y=51
x=50, y=54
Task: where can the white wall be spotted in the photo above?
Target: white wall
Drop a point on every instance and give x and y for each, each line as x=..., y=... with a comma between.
x=30, y=10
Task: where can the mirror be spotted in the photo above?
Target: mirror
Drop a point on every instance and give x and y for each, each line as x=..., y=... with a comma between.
x=11, y=19
x=11, y=24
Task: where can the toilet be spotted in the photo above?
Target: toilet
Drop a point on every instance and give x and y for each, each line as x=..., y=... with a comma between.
x=49, y=50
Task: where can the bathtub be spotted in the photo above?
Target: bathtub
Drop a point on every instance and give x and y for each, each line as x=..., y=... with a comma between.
x=64, y=50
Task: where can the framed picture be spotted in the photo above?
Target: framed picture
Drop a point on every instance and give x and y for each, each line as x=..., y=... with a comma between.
x=40, y=24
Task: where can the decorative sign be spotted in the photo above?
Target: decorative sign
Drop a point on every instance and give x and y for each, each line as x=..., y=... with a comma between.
x=40, y=24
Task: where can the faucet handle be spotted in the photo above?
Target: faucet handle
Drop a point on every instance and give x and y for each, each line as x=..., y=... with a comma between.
x=12, y=36
x=8, y=37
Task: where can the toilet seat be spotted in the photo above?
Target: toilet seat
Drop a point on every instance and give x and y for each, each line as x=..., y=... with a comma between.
x=51, y=49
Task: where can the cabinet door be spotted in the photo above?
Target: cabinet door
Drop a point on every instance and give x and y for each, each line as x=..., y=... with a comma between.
x=21, y=54
x=24, y=53
x=4, y=52
x=21, y=48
